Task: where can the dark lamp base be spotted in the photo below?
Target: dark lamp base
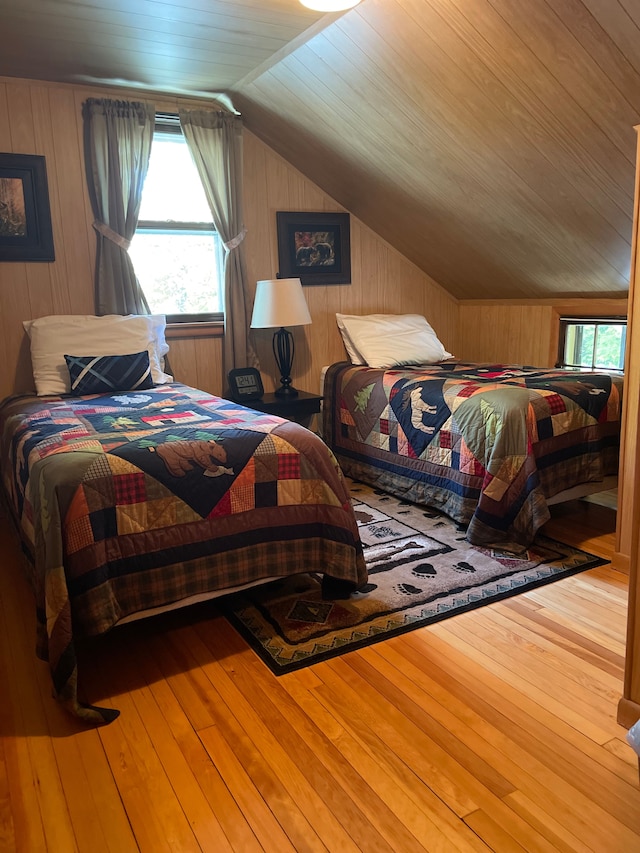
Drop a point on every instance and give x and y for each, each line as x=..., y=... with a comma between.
x=283, y=347
x=286, y=391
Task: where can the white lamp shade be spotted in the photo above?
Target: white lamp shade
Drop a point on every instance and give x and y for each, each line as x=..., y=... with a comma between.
x=279, y=302
x=329, y=5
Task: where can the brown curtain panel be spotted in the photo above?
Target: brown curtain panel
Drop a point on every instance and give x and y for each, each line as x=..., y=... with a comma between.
x=215, y=141
x=117, y=143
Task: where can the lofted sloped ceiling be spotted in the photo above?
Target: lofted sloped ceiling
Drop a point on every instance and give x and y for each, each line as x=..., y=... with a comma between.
x=194, y=47
x=490, y=141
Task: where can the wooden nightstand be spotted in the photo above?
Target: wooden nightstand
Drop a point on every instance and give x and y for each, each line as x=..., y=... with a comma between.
x=299, y=409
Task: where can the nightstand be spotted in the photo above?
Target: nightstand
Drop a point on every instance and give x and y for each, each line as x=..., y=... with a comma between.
x=299, y=409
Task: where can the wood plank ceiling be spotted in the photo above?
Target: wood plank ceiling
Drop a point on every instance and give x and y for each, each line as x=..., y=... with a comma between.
x=195, y=47
x=490, y=141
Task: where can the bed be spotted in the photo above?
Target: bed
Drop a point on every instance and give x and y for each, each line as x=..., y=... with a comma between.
x=129, y=502
x=489, y=445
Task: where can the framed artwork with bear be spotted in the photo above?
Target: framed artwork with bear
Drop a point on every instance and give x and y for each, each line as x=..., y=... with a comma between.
x=314, y=247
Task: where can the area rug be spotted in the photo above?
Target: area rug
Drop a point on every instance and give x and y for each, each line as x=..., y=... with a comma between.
x=421, y=570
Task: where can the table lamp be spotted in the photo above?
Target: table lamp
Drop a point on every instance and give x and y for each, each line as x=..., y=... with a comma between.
x=280, y=302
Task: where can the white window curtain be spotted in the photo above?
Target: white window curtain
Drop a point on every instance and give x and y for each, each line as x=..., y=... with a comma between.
x=117, y=141
x=215, y=141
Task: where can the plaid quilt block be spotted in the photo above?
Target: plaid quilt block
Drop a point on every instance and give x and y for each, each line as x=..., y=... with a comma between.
x=555, y=403
x=288, y=466
x=130, y=488
x=463, y=391
x=79, y=531
x=243, y=497
x=444, y=439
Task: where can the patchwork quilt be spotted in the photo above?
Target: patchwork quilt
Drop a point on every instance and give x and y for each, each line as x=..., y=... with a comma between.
x=136, y=500
x=485, y=443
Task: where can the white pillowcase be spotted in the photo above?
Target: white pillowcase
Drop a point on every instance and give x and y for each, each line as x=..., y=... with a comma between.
x=390, y=340
x=352, y=352
x=51, y=337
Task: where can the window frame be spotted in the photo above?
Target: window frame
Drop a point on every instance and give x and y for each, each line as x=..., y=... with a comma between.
x=592, y=320
x=169, y=124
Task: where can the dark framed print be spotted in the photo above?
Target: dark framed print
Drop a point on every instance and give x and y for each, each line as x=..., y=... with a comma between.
x=245, y=383
x=314, y=247
x=25, y=215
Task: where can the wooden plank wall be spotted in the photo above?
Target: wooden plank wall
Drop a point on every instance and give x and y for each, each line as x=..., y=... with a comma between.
x=522, y=331
x=382, y=279
x=45, y=118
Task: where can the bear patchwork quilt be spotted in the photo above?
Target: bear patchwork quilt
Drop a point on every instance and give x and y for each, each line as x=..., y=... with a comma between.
x=485, y=443
x=136, y=500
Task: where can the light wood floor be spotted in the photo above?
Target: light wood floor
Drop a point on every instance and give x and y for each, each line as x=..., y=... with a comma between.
x=494, y=730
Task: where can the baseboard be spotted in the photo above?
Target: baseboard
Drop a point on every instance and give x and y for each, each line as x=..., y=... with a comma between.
x=628, y=712
x=621, y=562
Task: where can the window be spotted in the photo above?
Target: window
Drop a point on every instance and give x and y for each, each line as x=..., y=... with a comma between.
x=176, y=251
x=593, y=343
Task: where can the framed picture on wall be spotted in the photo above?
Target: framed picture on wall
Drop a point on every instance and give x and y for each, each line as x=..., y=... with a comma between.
x=25, y=215
x=314, y=247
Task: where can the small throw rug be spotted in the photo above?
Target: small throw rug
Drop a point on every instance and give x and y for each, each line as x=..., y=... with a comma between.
x=421, y=570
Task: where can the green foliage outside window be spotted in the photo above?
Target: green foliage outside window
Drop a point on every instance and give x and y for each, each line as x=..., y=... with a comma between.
x=179, y=272
x=176, y=252
x=594, y=344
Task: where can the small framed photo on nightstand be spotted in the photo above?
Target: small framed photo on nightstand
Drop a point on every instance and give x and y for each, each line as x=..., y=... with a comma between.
x=245, y=384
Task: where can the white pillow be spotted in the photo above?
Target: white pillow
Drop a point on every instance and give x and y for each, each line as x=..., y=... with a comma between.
x=390, y=340
x=352, y=352
x=51, y=337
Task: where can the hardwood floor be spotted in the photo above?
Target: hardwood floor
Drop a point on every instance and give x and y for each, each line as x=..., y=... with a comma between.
x=493, y=730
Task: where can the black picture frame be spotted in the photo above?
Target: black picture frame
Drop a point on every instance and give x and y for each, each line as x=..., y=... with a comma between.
x=245, y=384
x=314, y=247
x=25, y=214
